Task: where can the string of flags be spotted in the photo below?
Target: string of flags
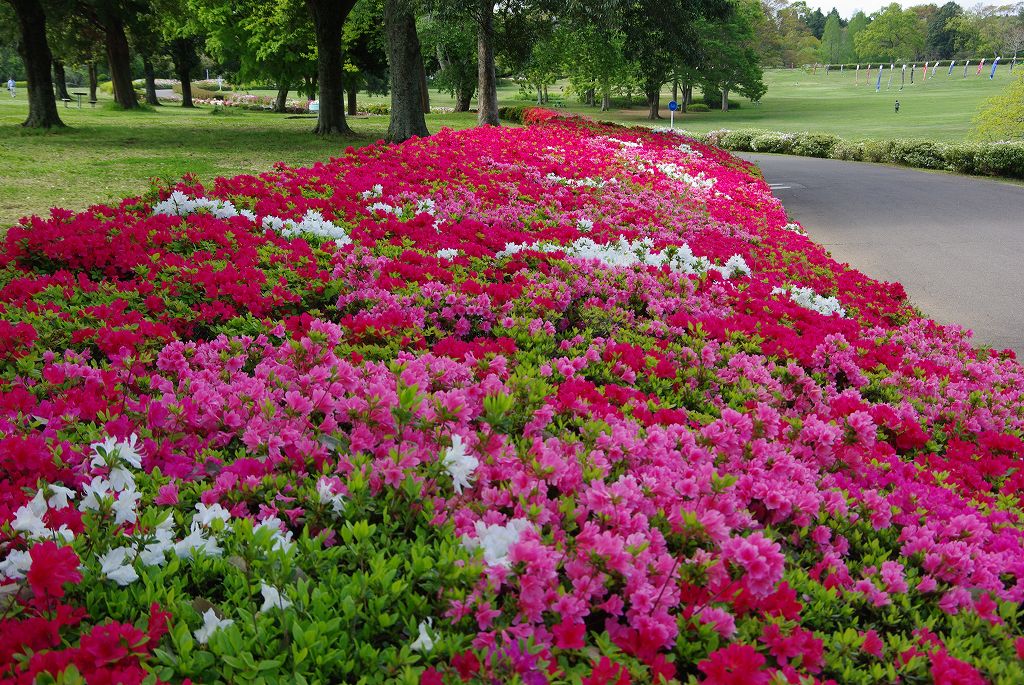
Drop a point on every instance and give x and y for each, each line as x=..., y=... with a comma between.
x=924, y=71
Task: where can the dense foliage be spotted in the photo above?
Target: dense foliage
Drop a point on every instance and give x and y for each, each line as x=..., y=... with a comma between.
x=566, y=403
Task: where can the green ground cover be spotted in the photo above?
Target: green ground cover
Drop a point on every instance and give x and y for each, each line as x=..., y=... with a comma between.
x=107, y=154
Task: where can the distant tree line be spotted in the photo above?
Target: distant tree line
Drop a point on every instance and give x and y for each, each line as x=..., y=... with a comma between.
x=797, y=35
x=334, y=49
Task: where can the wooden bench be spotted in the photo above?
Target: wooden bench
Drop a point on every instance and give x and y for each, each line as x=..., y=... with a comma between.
x=66, y=101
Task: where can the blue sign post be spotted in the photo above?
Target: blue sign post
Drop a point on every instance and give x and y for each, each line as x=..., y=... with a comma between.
x=672, y=107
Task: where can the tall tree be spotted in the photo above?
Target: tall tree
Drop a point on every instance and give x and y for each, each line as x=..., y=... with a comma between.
x=271, y=41
x=832, y=39
x=893, y=34
x=487, y=76
x=452, y=39
x=112, y=17
x=405, y=62
x=858, y=22
x=941, y=40
x=731, y=47
x=328, y=21
x=35, y=53
x=186, y=60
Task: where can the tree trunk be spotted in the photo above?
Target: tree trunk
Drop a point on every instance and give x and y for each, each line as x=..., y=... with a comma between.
x=93, y=81
x=150, y=76
x=675, y=91
x=606, y=95
x=725, y=99
x=590, y=97
x=546, y=94
x=353, y=94
x=181, y=71
x=404, y=64
x=60, y=80
x=328, y=20
x=120, y=61
x=35, y=53
x=281, y=102
x=424, y=87
x=487, y=79
x=540, y=96
x=653, y=100
x=464, y=97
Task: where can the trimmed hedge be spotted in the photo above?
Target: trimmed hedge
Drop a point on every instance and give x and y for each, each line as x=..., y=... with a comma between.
x=1005, y=159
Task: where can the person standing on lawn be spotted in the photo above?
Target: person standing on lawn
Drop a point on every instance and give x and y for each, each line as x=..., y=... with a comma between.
x=11, y=85
x=897, y=106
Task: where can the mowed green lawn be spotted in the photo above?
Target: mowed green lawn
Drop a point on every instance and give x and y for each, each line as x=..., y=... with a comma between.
x=107, y=154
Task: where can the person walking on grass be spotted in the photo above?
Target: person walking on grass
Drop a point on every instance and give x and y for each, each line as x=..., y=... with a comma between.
x=11, y=85
x=897, y=106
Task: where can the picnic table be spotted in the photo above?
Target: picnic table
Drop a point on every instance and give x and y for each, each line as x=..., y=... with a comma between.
x=79, y=95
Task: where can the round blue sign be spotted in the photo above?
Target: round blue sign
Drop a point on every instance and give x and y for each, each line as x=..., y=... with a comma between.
x=673, y=106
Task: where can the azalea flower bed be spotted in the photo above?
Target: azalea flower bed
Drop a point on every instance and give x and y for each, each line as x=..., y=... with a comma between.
x=569, y=403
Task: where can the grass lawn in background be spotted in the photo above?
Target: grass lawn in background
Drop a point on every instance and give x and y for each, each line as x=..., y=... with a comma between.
x=108, y=154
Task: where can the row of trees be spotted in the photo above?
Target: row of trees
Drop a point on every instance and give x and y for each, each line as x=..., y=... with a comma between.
x=798, y=35
x=336, y=47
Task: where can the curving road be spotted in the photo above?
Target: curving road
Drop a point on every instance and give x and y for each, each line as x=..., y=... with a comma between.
x=956, y=243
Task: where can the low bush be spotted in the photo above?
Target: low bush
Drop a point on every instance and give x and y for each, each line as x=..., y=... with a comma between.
x=852, y=152
x=379, y=108
x=877, y=150
x=513, y=114
x=698, y=107
x=774, y=142
x=740, y=140
x=922, y=154
x=1001, y=159
x=815, y=145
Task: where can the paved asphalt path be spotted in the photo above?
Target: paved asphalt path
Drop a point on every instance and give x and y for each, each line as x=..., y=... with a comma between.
x=956, y=243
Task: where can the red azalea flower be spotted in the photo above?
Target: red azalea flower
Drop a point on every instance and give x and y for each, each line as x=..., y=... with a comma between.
x=873, y=645
x=52, y=566
x=947, y=670
x=569, y=635
x=467, y=664
x=431, y=676
x=606, y=672
x=110, y=643
x=734, y=665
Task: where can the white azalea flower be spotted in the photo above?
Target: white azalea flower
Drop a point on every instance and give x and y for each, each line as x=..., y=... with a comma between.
x=496, y=540
x=327, y=496
x=211, y=624
x=59, y=496
x=155, y=553
x=272, y=598
x=114, y=565
x=279, y=540
x=423, y=643
x=108, y=452
x=28, y=518
x=807, y=298
x=121, y=479
x=125, y=507
x=197, y=542
x=94, y=493
x=447, y=253
x=460, y=464
x=16, y=565
x=208, y=514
